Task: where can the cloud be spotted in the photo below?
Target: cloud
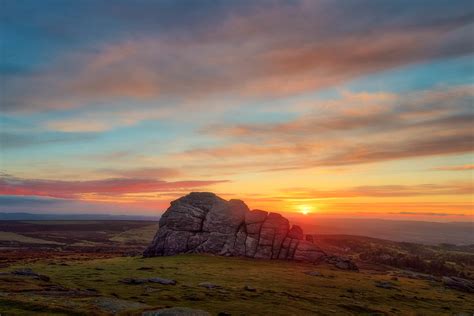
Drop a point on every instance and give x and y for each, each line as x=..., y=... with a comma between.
x=105, y=187
x=455, y=168
x=48, y=205
x=21, y=140
x=382, y=151
x=356, y=128
x=381, y=191
x=27, y=201
x=143, y=173
x=428, y=214
x=251, y=50
x=376, y=112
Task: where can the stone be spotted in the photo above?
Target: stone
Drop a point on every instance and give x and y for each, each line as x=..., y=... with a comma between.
x=184, y=217
x=251, y=245
x=313, y=273
x=255, y=216
x=133, y=281
x=308, y=252
x=30, y=273
x=239, y=246
x=292, y=248
x=459, y=284
x=285, y=246
x=254, y=229
x=342, y=263
x=162, y=281
x=202, y=222
x=209, y=285
x=296, y=232
x=225, y=217
x=385, y=285
x=250, y=288
x=176, y=311
x=114, y=306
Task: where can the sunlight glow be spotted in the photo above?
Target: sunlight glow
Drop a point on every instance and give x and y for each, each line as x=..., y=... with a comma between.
x=305, y=209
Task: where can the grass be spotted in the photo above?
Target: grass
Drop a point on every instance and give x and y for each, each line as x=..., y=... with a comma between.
x=9, y=236
x=137, y=235
x=282, y=288
x=64, y=222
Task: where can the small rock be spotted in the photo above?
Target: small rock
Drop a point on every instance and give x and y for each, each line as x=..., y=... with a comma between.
x=116, y=306
x=459, y=284
x=176, y=311
x=24, y=271
x=31, y=273
x=145, y=268
x=342, y=263
x=250, y=289
x=133, y=281
x=162, y=281
x=313, y=273
x=209, y=285
x=43, y=277
x=385, y=284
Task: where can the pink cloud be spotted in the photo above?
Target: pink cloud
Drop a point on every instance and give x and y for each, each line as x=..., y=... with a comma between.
x=114, y=186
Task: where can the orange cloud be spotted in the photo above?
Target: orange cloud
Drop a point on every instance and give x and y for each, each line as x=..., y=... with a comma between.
x=336, y=133
x=455, y=168
x=143, y=173
x=382, y=191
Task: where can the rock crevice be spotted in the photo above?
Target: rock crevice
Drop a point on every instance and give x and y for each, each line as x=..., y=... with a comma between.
x=202, y=222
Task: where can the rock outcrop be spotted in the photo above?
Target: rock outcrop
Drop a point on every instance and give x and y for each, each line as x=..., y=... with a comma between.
x=202, y=222
x=460, y=284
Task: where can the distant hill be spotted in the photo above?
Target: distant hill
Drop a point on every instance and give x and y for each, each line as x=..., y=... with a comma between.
x=72, y=217
x=431, y=233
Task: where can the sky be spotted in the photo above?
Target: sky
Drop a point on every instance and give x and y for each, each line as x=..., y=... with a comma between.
x=326, y=108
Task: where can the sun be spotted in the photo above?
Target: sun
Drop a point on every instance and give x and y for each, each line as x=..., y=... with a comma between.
x=305, y=209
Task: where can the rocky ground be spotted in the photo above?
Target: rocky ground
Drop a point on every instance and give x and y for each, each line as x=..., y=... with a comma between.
x=219, y=286
x=99, y=271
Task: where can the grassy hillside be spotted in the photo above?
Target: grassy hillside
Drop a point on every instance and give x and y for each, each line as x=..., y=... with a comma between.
x=444, y=259
x=85, y=261
x=10, y=237
x=281, y=288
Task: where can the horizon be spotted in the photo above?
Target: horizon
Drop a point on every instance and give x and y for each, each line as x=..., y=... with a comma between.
x=279, y=104
x=308, y=218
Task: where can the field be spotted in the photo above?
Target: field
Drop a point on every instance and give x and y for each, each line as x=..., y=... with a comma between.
x=94, y=268
x=34, y=240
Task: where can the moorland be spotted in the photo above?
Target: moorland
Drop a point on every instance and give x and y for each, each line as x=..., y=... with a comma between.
x=96, y=268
